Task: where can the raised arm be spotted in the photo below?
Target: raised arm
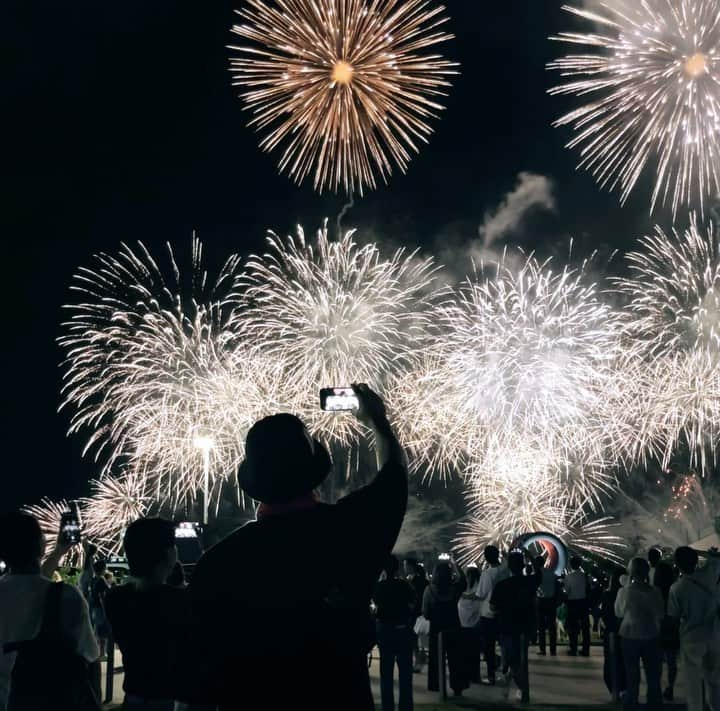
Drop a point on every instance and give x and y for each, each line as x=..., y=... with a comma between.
x=372, y=414
x=52, y=562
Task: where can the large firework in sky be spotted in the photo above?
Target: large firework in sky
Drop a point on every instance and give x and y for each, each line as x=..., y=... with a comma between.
x=113, y=504
x=343, y=88
x=673, y=293
x=526, y=359
x=150, y=371
x=526, y=380
x=500, y=510
x=649, y=79
x=334, y=313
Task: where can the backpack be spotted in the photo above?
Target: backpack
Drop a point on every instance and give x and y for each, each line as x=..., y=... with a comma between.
x=48, y=673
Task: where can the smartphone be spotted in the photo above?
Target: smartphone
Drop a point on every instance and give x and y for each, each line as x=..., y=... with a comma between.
x=188, y=539
x=444, y=556
x=70, y=528
x=187, y=529
x=338, y=400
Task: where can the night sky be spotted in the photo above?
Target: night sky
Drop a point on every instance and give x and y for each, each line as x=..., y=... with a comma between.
x=120, y=123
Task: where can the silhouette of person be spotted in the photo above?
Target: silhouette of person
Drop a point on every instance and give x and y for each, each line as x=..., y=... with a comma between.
x=395, y=603
x=694, y=601
x=641, y=608
x=148, y=616
x=577, y=594
x=257, y=642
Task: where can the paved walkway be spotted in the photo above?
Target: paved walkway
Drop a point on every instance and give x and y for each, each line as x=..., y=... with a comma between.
x=555, y=682
x=560, y=681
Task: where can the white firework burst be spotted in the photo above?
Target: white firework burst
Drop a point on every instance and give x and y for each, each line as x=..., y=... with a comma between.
x=650, y=79
x=674, y=299
x=114, y=503
x=525, y=358
x=48, y=514
x=334, y=313
x=151, y=367
x=502, y=509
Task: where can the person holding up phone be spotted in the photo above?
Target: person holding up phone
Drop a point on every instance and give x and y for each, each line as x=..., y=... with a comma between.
x=67, y=664
x=257, y=642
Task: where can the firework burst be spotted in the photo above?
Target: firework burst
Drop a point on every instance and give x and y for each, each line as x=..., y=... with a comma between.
x=150, y=368
x=334, y=313
x=114, y=503
x=652, y=80
x=341, y=87
x=526, y=359
x=48, y=514
x=501, y=509
x=674, y=299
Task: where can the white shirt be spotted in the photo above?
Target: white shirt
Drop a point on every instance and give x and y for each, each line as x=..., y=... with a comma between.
x=576, y=585
x=470, y=609
x=22, y=600
x=489, y=578
x=695, y=607
x=642, y=609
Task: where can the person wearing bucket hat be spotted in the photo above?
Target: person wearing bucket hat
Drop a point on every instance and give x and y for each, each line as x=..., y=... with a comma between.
x=281, y=607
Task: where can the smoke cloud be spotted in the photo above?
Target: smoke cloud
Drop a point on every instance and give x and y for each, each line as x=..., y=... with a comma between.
x=532, y=192
x=428, y=527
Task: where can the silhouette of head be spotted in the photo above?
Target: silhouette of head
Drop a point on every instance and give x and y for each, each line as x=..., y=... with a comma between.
x=639, y=569
x=576, y=562
x=492, y=555
x=686, y=559
x=538, y=563
x=516, y=563
x=442, y=575
x=664, y=576
x=22, y=543
x=150, y=547
x=282, y=461
x=654, y=556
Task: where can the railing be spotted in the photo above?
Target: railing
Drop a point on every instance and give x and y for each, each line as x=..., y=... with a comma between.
x=109, y=670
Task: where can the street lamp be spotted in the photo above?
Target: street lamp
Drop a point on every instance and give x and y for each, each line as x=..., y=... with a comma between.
x=205, y=444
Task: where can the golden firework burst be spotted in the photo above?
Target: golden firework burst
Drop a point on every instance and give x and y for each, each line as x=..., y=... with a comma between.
x=341, y=87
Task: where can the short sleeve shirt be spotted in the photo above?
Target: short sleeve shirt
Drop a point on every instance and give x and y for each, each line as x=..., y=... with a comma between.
x=22, y=601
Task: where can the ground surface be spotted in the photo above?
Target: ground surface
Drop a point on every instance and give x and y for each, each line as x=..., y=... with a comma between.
x=556, y=683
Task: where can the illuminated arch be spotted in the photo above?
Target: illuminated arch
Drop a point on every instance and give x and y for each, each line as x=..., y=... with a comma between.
x=557, y=552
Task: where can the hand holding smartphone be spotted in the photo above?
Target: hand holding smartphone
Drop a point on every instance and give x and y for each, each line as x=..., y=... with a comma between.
x=339, y=399
x=70, y=532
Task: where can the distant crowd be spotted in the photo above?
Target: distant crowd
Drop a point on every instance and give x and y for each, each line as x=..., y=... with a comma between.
x=288, y=610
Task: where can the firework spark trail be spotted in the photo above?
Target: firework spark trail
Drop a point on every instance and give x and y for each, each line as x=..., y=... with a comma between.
x=674, y=298
x=114, y=503
x=48, y=514
x=147, y=370
x=524, y=358
x=335, y=313
x=500, y=510
x=341, y=87
x=651, y=81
